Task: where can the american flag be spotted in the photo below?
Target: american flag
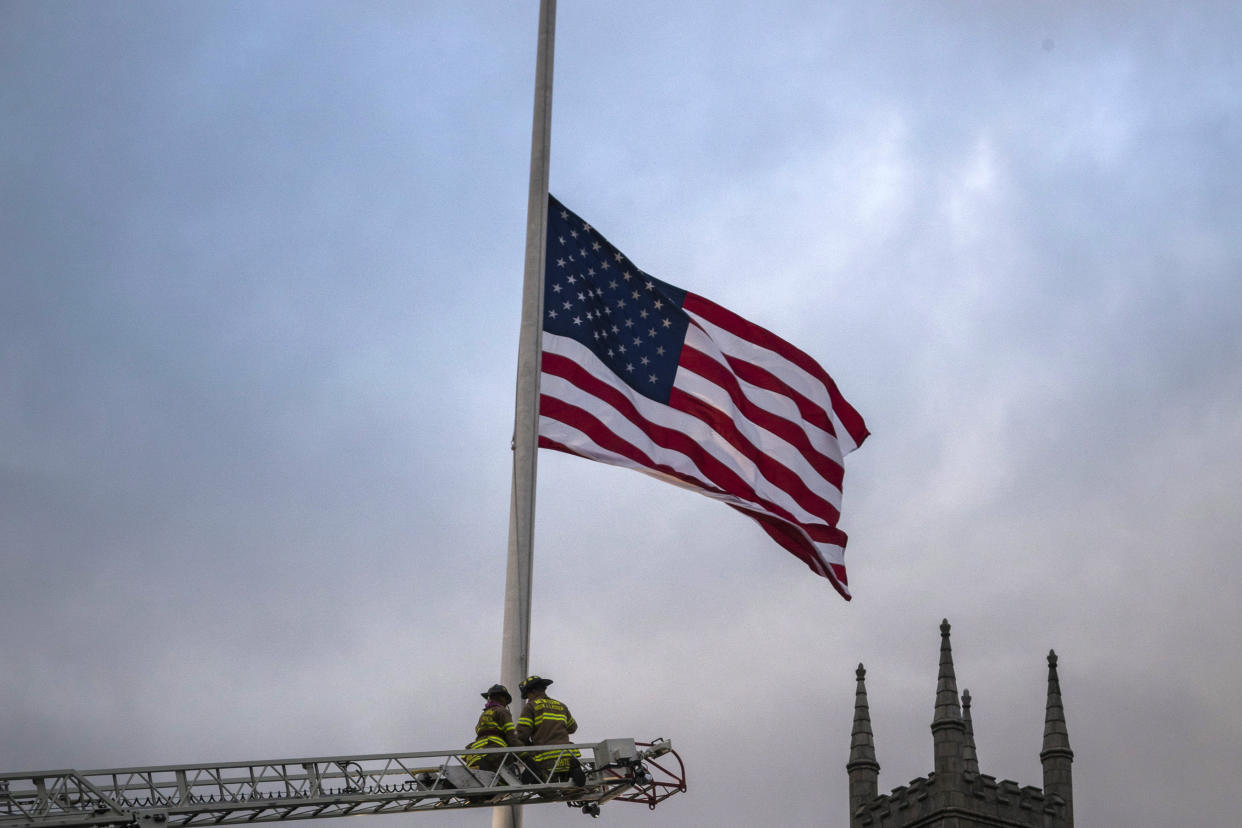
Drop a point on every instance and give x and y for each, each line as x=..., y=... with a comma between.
x=641, y=374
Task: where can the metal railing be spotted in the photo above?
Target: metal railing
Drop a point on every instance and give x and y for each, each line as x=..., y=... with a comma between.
x=335, y=786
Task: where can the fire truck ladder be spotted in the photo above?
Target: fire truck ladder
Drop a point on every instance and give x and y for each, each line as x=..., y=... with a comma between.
x=244, y=792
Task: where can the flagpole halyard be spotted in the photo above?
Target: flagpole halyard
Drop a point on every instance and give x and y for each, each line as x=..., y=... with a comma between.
x=515, y=646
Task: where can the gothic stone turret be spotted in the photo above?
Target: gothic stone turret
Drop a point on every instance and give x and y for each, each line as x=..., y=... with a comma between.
x=1056, y=756
x=956, y=794
x=863, y=769
x=970, y=757
x=948, y=729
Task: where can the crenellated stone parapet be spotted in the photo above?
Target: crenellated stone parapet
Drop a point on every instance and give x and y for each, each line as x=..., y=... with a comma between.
x=977, y=800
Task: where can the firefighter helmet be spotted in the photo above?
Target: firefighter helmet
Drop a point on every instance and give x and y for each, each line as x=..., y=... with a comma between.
x=498, y=690
x=533, y=683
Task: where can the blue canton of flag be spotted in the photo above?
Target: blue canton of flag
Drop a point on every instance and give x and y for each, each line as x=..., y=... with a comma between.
x=632, y=321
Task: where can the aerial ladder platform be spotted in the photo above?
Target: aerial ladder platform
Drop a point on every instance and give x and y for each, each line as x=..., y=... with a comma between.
x=232, y=793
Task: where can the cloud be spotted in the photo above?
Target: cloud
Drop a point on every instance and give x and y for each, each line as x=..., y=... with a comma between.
x=258, y=315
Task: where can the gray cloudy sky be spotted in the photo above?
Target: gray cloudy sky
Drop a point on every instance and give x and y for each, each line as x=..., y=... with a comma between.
x=260, y=271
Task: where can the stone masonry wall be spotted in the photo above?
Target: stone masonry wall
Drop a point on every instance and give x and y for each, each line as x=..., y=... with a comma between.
x=978, y=801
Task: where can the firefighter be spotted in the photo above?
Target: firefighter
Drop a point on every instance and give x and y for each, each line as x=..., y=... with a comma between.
x=546, y=721
x=494, y=729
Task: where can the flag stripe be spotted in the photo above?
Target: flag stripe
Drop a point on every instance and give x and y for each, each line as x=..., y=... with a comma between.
x=786, y=535
x=765, y=405
x=797, y=409
x=580, y=432
x=825, y=543
x=812, y=414
x=673, y=441
x=769, y=466
x=575, y=430
x=770, y=433
x=783, y=358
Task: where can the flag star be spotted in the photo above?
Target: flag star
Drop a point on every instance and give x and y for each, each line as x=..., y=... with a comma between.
x=643, y=313
x=620, y=303
x=556, y=288
x=581, y=296
x=618, y=256
x=629, y=366
x=552, y=313
x=565, y=215
x=660, y=351
x=590, y=271
x=668, y=323
x=560, y=262
x=650, y=285
x=651, y=332
x=634, y=294
x=604, y=265
x=607, y=310
x=651, y=377
x=577, y=320
x=573, y=233
x=626, y=275
x=595, y=246
x=572, y=280
x=613, y=284
x=567, y=305
x=621, y=348
x=638, y=340
x=582, y=252
x=586, y=227
x=615, y=329
x=611, y=353
x=596, y=334
x=629, y=323
x=645, y=361
x=658, y=304
x=560, y=239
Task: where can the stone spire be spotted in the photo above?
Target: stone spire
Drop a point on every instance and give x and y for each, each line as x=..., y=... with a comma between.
x=1056, y=756
x=948, y=729
x=970, y=758
x=863, y=769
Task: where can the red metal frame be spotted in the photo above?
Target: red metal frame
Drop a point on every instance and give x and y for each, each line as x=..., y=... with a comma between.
x=665, y=780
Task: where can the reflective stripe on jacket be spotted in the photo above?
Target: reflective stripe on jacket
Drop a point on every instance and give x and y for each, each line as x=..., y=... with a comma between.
x=480, y=743
x=494, y=729
x=496, y=720
x=546, y=721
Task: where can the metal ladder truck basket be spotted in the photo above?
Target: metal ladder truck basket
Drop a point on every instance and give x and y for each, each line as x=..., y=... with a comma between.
x=315, y=788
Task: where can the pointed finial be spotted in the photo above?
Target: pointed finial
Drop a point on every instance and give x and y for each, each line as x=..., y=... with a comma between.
x=1056, y=734
x=1056, y=757
x=863, y=769
x=946, y=683
x=970, y=757
x=862, y=745
x=948, y=729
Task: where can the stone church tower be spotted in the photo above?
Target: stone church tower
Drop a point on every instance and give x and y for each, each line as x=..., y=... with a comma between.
x=956, y=794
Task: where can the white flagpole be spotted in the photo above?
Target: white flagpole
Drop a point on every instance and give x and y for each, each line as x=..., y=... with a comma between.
x=515, y=647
